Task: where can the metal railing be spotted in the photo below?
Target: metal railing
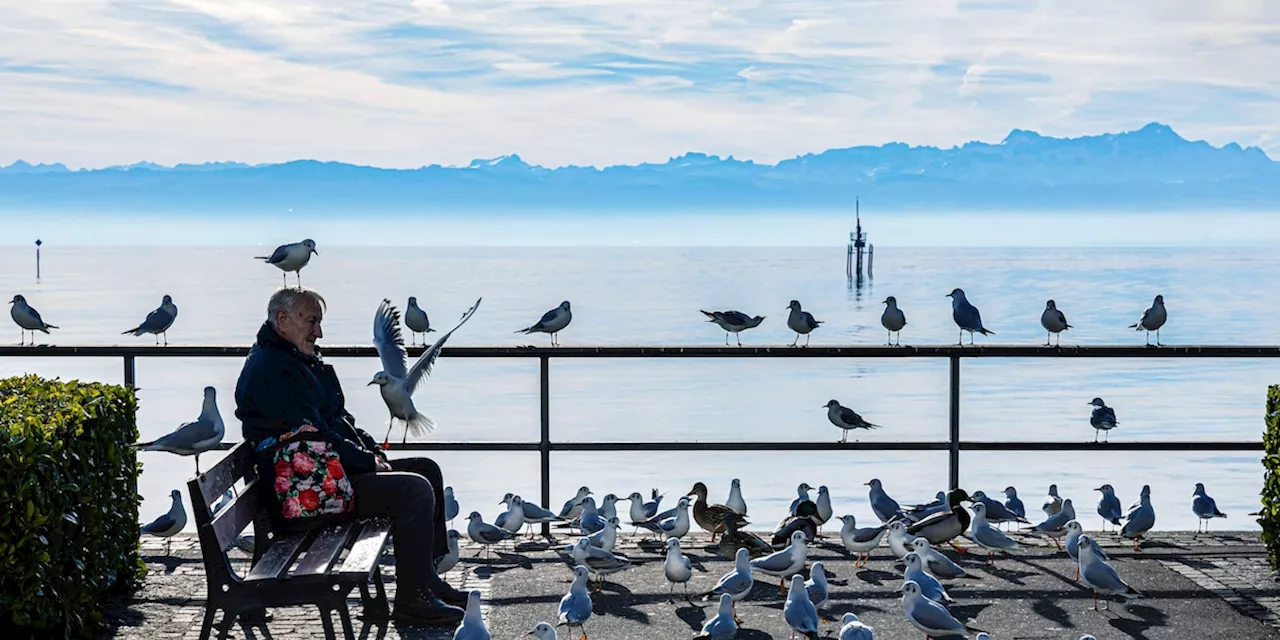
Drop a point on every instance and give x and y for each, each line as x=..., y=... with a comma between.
x=953, y=353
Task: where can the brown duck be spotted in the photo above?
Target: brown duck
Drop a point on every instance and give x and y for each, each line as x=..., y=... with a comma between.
x=708, y=516
x=734, y=538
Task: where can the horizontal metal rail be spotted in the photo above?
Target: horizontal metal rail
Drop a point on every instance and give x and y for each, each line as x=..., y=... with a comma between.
x=860, y=351
x=952, y=353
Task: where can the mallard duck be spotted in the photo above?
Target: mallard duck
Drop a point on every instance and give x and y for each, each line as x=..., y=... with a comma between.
x=805, y=520
x=734, y=538
x=945, y=526
x=708, y=516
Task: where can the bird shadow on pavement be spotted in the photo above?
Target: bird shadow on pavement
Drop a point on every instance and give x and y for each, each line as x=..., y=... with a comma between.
x=1049, y=609
x=967, y=611
x=752, y=634
x=1008, y=575
x=170, y=562
x=1150, y=617
x=693, y=616
x=877, y=577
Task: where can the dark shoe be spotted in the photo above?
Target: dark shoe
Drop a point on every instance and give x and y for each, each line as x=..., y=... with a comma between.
x=451, y=596
x=425, y=612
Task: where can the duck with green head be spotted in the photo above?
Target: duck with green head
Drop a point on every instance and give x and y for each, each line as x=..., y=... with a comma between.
x=945, y=526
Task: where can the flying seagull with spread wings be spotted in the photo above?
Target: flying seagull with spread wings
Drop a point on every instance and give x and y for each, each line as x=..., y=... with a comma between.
x=394, y=382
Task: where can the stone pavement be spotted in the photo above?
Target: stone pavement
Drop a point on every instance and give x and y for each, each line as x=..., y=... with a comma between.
x=1196, y=586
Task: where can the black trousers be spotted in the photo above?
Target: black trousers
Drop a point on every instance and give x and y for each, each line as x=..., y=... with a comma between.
x=412, y=495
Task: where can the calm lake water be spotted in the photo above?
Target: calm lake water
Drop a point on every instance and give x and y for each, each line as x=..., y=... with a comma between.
x=651, y=296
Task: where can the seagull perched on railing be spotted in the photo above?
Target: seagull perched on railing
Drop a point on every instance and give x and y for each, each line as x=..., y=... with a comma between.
x=291, y=257
x=193, y=438
x=893, y=319
x=801, y=322
x=1152, y=319
x=552, y=322
x=966, y=316
x=158, y=321
x=1053, y=321
x=416, y=319
x=397, y=385
x=733, y=322
x=28, y=319
x=846, y=418
x=1102, y=418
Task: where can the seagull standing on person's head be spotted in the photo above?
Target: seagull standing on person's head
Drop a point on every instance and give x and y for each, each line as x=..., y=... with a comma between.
x=158, y=321
x=291, y=257
x=966, y=316
x=801, y=322
x=28, y=319
x=193, y=438
x=416, y=320
x=1103, y=418
x=1152, y=319
x=169, y=524
x=1054, y=322
x=893, y=319
x=733, y=322
x=394, y=382
x=552, y=322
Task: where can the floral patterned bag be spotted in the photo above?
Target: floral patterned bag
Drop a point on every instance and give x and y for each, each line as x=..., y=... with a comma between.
x=308, y=481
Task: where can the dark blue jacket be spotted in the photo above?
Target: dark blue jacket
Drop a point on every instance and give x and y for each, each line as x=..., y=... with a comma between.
x=280, y=388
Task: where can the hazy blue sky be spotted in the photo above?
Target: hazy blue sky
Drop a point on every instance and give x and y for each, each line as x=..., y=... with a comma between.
x=402, y=83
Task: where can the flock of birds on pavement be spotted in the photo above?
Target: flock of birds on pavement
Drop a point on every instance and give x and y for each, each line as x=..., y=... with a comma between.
x=294, y=256
x=913, y=535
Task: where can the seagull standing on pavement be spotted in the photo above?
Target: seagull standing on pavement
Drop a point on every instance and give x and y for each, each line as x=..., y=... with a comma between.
x=193, y=438
x=966, y=316
x=158, y=321
x=1109, y=506
x=552, y=322
x=1100, y=576
x=1152, y=319
x=575, y=606
x=1103, y=418
x=1204, y=507
x=472, y=625
x=291, y=257
x=1141, y=518
x=801, y=322
x=733, y=322
x=395, y=384
x=735, y=500
x=1053, y=322
x=416, y=320
x=28, y=319
x=799, y=612
x=169, y=524
x=846, y=419
x=893, y=320
x=721, y=626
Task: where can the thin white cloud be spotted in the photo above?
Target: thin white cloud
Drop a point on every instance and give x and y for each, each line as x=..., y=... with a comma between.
x=413, y=82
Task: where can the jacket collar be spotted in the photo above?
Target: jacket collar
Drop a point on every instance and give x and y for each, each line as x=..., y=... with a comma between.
x=269, y=339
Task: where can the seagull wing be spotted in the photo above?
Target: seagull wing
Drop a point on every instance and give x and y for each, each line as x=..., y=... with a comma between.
x=156, y=320
x=422, y=368
x=932, y=615
x=188, y=435
x=163, y=523
x=388, y=341
x=279, y=254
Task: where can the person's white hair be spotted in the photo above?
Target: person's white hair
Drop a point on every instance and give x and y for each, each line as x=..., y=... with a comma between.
x=290, y=299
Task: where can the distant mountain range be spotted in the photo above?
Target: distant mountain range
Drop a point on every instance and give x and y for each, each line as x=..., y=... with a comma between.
x=1151, y=168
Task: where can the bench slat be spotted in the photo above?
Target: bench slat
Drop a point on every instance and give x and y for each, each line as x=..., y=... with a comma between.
x=324, y=550
x=275, y=562
x=367, y=549
x=233, y=518
x=237, y=464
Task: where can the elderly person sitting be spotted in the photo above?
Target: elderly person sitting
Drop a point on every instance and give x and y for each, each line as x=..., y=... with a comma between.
x=286, y=388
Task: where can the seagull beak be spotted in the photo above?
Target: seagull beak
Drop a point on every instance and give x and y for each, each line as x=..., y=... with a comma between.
x=371, y=382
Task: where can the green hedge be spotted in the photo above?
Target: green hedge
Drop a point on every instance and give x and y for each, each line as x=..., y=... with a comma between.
x=1269, y=518
x=68, y=504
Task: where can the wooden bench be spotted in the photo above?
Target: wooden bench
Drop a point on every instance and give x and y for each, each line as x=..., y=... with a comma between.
x=286, y=570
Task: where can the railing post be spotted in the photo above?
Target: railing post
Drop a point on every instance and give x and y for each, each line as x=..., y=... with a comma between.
x=130, y=372
x=544, y=441
x=954, y=440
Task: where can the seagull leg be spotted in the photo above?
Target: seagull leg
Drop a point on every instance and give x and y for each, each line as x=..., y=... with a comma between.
x=793, y=342
x=739, y=338
x=1158, y=338
x=806, y=339
x=386, y=441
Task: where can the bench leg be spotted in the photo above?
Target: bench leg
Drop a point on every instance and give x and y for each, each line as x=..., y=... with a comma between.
x=327, y=621
x=375, y=609
x=206, y=627
x=343, y=614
